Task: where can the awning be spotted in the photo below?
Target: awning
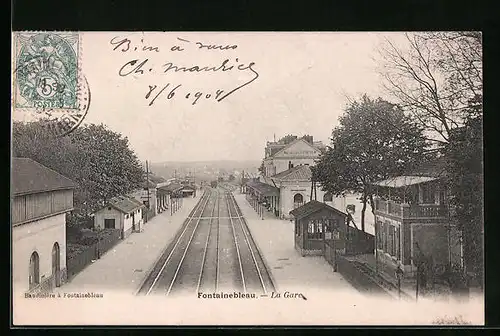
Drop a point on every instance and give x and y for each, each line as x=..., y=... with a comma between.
x=263, y=189
x=404, y=181
x=171, y=188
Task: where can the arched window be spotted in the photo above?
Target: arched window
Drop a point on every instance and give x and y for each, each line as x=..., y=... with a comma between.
x=298, y=200
x=34, y=275
x=56, y=264
x=328, y=197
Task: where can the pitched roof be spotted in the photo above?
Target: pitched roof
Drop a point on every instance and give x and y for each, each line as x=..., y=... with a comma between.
x=29, y=177
x=294, y=174
x=148, y=184
x=188, y=187
x=156, y=179
x=172, y=187
x=404, y=181
x=293, y=143
x=428, y=170
x=312, y=207
x=125, y=204
x=263, y=188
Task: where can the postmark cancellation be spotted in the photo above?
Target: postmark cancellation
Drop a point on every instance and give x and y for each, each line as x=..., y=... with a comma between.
x=46, y=70
x=47, y=79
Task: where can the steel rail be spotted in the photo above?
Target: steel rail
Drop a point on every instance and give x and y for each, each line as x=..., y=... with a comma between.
x=186, y=249
x=198, y=206
x=203, y=260
x=237, y=246
x=249, y=247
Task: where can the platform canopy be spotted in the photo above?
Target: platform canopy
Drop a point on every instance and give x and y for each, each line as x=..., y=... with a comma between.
x=263, y=189
x=404, y=181
x=171, y=188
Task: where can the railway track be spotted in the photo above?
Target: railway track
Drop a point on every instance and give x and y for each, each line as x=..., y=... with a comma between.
x=213, y=252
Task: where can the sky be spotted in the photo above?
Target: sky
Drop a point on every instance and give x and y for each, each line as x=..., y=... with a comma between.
x=300, y=86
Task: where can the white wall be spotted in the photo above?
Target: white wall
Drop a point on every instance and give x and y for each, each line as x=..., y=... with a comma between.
x=38, y=236
x=107, y=213
x=289, y=189
x=128, y=223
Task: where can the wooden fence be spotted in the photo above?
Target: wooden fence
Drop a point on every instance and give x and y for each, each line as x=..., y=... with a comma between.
x=359, y=279
x=359, y=242
x=87, y=253
x=330, y=254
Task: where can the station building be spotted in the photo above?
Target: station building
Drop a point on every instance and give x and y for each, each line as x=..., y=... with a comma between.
x=285, y=183
x=123, y=213
x=40, y=200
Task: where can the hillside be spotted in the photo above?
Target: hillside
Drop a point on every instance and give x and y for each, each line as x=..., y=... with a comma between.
x=204, y=170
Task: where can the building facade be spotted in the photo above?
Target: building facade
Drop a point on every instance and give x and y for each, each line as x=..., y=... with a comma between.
x=412, y=224
x=282, y=155
x=40, y=200
x=285, y=182
x=123, y=213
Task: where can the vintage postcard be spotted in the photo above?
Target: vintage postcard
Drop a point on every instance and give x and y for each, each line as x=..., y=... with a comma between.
x=263, y=178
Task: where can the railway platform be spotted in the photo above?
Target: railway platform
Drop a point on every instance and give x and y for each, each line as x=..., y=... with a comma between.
x=124, y=267
x=290, y=271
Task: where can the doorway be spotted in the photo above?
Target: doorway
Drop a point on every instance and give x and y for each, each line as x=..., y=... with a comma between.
x=56, y=264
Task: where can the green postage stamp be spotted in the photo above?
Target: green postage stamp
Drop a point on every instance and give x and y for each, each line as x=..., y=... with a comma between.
x=46, y=70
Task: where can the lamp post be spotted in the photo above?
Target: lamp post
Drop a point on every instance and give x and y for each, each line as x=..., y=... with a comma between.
x=399, y=275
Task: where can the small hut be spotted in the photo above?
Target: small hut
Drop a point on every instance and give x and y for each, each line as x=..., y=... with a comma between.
x=316, y=225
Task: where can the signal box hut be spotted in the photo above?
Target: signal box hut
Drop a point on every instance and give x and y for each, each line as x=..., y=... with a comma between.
x=317, y=225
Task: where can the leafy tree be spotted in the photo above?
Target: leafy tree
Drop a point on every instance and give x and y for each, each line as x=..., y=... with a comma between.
x=231, y=177
x=375, y=140
x=465, y=181
x=96, y=158
x=436, y=77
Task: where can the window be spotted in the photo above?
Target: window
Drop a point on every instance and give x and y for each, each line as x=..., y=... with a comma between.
x=34, y=274
x=398, y=243
x=315, y=229
x=428, y=193
x=386, y=237
x=390, y=240
x=126, y=216
x=109, y=208
x=383, y=228
x=310, y=229
x=109, y=223
x=328, y=197
x=298, y=200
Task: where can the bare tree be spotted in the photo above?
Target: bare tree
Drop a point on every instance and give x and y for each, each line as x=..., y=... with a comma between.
x=436, y=77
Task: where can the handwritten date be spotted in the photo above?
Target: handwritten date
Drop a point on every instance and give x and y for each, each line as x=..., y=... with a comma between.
x=155, y=92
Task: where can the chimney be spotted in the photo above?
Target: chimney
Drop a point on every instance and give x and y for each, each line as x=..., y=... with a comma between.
x=309, y=138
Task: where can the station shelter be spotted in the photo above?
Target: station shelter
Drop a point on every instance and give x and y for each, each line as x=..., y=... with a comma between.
x=320, y=230
x=169, y=196
x=262, y=193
